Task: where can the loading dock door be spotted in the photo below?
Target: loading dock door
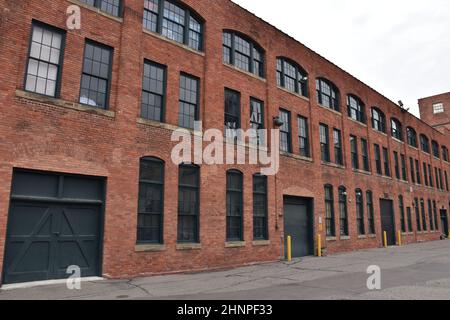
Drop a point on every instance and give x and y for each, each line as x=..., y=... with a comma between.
x=298, y=223
x=387, y=220
x=55, y=221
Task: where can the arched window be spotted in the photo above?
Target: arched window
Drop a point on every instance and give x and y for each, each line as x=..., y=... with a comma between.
x=378, y=120
x=260, y=209
x=235, y=205
x=188, y=203
x=370, y=212
x=292, y=77
x=411, y=137
x=243, y=53
x=327, y=94
x=329, y=211
x=435, y=147
x=174, y=21
x=343, y=212
x=356, y=108
x=425, y=143
x=112, y=7
x=360, y=212
x=151, y=201
x=396, y=129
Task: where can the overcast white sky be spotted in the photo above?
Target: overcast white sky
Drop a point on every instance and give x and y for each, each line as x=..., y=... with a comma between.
x=401, y=48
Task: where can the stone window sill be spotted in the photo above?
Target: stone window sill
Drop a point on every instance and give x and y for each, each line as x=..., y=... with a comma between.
x=257, y=243
x=329, y=109
x=296, y=156
x=244, y=72
x=189, y=246
x=181, y=45
x=362, y=237
x=331, y=239
x=344, y=238
x=357, y=122
x=63, y=103
x=149, y=248
x=235, y=244
x=293, y=93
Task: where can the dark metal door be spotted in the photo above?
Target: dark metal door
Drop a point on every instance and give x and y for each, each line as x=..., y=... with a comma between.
x=50, y=232
x=298, y=224
x=444, y=222
x=387, y=220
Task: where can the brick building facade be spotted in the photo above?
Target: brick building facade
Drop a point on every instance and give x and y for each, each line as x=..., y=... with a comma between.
x=87, y=117
x=435, y=111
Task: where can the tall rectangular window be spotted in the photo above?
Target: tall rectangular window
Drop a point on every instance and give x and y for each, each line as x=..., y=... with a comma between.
x=337, y=140
x=343, y=212
x=424, y=215
x=409, y=217
x=188, y=104
x=387, y=167
x=285, y=131
x=360, y=212
x=397, y=165
x=329, y=211
x=354, y=152
x=418, y=176
x=403, y=163
x=257, y=120
x=188, y=204
x=411, y=170
x=45, y=60
x=436, y=175
x=235, y=206
x=96, y=76
x=324, y=143
x=153, y=91
x=303, y=136
x=151, y=13
x=446, y=181
x=441, y=183
x=232, y=113
x=435, y=214
x=151, y=201
x=430, y=176
x=401, y=206
x=425, y=176
x=370, y=212
x=417, y=210
x=365, y=155
x=430, y=214
x=260, y=210
x=378, y=159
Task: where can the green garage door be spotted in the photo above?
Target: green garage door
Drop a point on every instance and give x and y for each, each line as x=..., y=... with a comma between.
x=55, y=221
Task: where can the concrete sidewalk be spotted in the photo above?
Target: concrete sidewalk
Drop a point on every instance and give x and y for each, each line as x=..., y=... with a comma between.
x=418, y=271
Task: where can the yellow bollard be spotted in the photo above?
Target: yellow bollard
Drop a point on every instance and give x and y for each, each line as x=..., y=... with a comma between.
x=289, y=248
x=319, y=245
x=399, y=238
x=385, y=239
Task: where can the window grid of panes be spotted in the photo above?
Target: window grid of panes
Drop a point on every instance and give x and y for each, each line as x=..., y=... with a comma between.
x=412, y=137
x=370, y=212
x=235, y=206
x=430, y=215
x=360, y=212
x=378, y=120
x=291, y=77
x=260, y=210
x=396, y=129
x=378, y=159
x=356, y=109
x=387, y=167
x=354, y=152
x=174, y=22
x=327, y=94
x=396, y=165
x=365, y=155
x=151, y=201
x=112, y=7
x=324, y=143
x=343, y=212
x=435, y=147
x=96, y=75
x=153, y=91
x=338, y=153
x=232, y=113
x=303, y=136
x=401, y=206
x=425, y=143
x=257, y=120
x=45, y=60
x=285, y=131
x=188, y=203
x=189, y=95
x=329, y=212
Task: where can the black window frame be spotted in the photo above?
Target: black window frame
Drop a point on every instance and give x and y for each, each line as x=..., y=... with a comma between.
x=435, y=149
x=163, y=96
x=401, y=206
x=396, y=165
x=343, y=212
x=285, y=130
x=303, y=136
x=425, y=143
x=195, y=188
x=354, y=152
x=324, y=143
x=320, y=94
x=60, y=65
x=370, y=213
x=258, y=124
x=380, y=123
x=409, y=219
x=260, y=233
x=377, y=157
x=417, y=212
x=229, y=96
x=183, y=102
x=229, y=205
x=412, y=171
x=359, y=201
x=445, y=155
x=357, y=110
x=396, y=129
x=253, y=47
x=423, y=214
x=189, y=14
x=425, y=176
x=330, y=222
x=411, y=135
x=98, y=5
x=338, y=147
x=430, y=214
x=154, y=183
x=301, y=76
x=386, y=162
x=365, y=155
x=418, y=174
x=403, y=166
x=108, y=79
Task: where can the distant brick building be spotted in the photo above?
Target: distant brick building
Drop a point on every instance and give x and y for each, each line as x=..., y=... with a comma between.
x=435, y=111
x=86, y=119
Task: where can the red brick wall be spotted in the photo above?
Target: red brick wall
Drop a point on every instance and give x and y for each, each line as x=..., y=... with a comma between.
x=440, y=120
x=44, y=136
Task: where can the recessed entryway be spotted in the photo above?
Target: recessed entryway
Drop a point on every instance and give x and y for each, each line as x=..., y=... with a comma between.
x=55, y=221
x=298, y=223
